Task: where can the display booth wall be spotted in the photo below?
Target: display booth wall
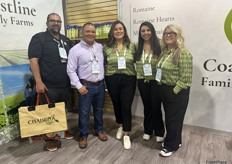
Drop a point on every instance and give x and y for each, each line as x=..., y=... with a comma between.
x=208, y=33
x=207, y=28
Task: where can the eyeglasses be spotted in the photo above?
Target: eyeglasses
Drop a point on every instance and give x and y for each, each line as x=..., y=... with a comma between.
x=165, y=34
x=55, y=21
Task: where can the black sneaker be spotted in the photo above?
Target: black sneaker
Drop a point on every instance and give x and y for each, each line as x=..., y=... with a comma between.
x=52, y=145
x=68, y=135
x=166, y=153
x=163, y=145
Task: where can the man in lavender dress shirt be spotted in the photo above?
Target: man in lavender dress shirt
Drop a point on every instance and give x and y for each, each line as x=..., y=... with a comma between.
x=85, y=69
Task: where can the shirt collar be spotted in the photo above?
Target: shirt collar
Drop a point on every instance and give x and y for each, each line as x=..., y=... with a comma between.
x=84, y=43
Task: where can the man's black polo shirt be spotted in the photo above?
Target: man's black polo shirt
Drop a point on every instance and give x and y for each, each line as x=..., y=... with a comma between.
x=52, y=70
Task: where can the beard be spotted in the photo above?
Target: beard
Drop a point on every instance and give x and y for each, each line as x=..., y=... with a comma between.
x=54, y=32
x=55, y=29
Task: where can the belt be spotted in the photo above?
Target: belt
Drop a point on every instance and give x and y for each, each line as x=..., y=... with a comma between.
x=90, y=82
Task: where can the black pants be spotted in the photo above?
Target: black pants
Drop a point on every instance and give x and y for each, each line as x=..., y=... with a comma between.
x=153, y=121
x=56, y=95
x=28, y=101
x=175, y=106
x=121, y=90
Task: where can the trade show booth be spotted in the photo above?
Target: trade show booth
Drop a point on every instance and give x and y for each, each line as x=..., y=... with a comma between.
x=207, y=28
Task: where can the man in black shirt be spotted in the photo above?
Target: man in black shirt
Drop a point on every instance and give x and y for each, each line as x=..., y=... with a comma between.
x=47, y=53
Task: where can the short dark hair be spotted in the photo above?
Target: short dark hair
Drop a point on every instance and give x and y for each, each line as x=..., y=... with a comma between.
x=50, y=15
x=88, y=23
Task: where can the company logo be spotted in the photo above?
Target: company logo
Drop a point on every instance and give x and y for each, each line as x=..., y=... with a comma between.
x=48, y=120
x=228, y=26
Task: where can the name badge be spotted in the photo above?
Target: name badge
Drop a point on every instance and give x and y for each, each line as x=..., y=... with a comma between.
x=158, y=75
x=95, y=67
x=147, y=70
x=121, y=62
x=63, y=53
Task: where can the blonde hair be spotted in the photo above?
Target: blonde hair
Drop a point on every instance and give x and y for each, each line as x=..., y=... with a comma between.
x=179, y=42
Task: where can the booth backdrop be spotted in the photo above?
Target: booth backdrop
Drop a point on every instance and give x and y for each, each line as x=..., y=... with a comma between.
x=208, y=36
x=207, y=30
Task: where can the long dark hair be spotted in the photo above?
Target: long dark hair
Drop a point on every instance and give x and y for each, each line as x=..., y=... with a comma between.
x=111, y=40
x=154, y=41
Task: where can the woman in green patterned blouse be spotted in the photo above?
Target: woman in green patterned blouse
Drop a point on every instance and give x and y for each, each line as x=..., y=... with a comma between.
x=120, y=77
x=146, y=59
x=174, y=74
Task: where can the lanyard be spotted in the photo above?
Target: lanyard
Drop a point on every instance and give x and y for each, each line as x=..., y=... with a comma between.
x=158, y=65
x=92, y=54
x=143, y=57
x=62, y=43
x=124, y=53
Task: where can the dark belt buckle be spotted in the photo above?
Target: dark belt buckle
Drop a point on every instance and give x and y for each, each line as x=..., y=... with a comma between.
x=90, y=82
x=95, y=83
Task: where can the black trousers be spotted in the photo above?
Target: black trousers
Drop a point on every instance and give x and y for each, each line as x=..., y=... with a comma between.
x=121, y=89
x=57, y=95
x=175, y=106
x=153, y=121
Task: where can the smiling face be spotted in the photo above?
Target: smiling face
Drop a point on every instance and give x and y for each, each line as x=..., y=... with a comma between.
x=54, y=24
x=145, y=33
x=89, y=34
x=119, y=31
x=169, y=37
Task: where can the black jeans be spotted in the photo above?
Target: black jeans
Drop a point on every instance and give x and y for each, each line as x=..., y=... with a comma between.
x=153, y=121
x=175, y=106
x=121, y=90
x=56, y=95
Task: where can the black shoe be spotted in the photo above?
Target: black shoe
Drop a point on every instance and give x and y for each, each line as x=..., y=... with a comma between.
x=52, y=145
x=68, y=135
x=166, y=153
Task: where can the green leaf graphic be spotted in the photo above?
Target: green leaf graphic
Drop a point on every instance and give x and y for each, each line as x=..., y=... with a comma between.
x=50, y=122
x=228, y=26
